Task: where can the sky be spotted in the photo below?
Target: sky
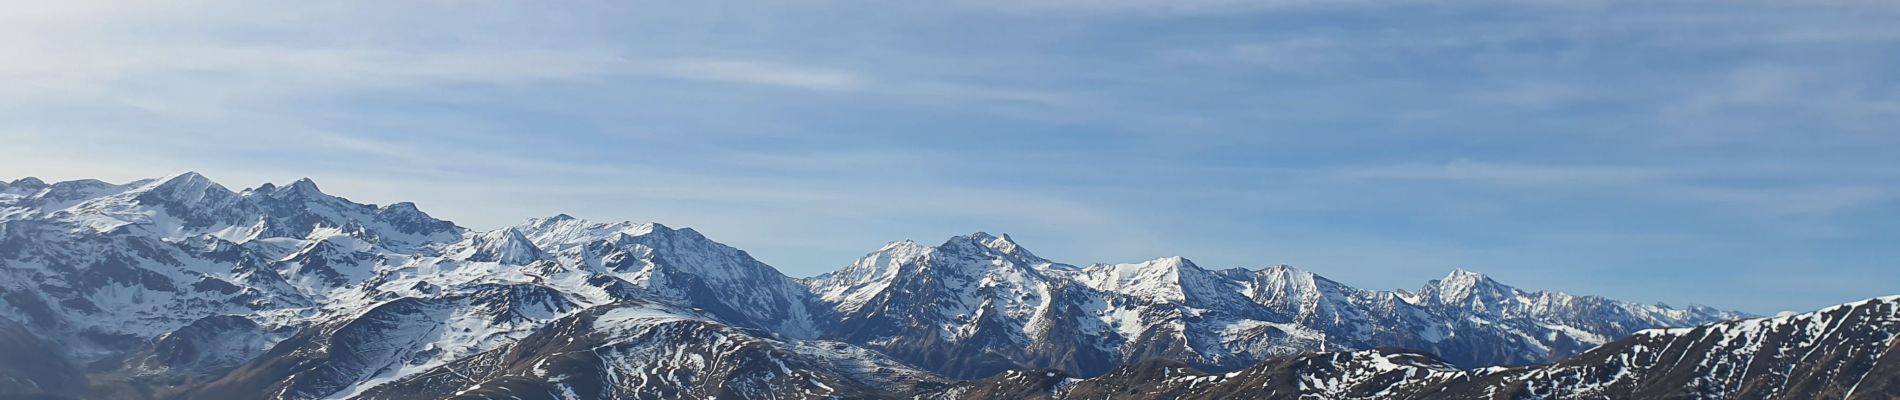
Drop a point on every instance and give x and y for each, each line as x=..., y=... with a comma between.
x=1739, y=154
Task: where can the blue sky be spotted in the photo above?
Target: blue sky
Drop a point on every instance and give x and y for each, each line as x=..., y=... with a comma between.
x=1739, y=154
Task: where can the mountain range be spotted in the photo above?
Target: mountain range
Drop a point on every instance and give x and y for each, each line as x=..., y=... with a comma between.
x=178, y=287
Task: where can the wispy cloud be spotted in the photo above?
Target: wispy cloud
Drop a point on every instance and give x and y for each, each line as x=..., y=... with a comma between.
x=763, y=74
x=1510, y=174
x=844, y=81
x=1799, y=201
x=1143, y=8
x=1779, y=196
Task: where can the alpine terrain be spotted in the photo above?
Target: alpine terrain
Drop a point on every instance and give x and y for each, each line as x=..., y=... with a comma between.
x=179, y=287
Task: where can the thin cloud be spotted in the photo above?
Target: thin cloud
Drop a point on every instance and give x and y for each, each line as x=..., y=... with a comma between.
x=105, y=68
x=1809, y=201
x=1143, y=8
x=763, y=74
x=842, y=81
x=1509, y=174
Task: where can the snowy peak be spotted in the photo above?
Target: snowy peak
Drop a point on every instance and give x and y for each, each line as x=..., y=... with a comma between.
x=556, y=219
x=675, y=264
x=1463, y=288
x=504, y=246
x=999, y=247
x=1281, y=284
x=1002, y=244
x=185, y=180
x=964, y=259
x=1288, y=272
x=902, y=247
x=978, y=236
x=406, y=218
x=301, y=189
x=979, y=239
x=966, y=307
x=180, y=191
x=564, y=231
x=1167, y=279
x=304, y=186
x=652, y=245
x=27, y=183
x=34, y=196
x=850, y=287
x=1313, y=300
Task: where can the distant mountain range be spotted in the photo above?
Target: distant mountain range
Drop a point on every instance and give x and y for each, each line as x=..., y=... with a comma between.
x=178, y=287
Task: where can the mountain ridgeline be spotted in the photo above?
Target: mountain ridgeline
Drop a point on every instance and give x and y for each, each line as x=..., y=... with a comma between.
x=178, y=287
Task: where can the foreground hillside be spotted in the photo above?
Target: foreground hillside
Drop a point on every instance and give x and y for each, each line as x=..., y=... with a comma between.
x=1841, y=352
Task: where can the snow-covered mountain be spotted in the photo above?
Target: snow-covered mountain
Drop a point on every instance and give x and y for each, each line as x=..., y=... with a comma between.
x=177, y=287
x=102, y=268
x=333, y=297
x=981, y=304
x=1841, y=352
